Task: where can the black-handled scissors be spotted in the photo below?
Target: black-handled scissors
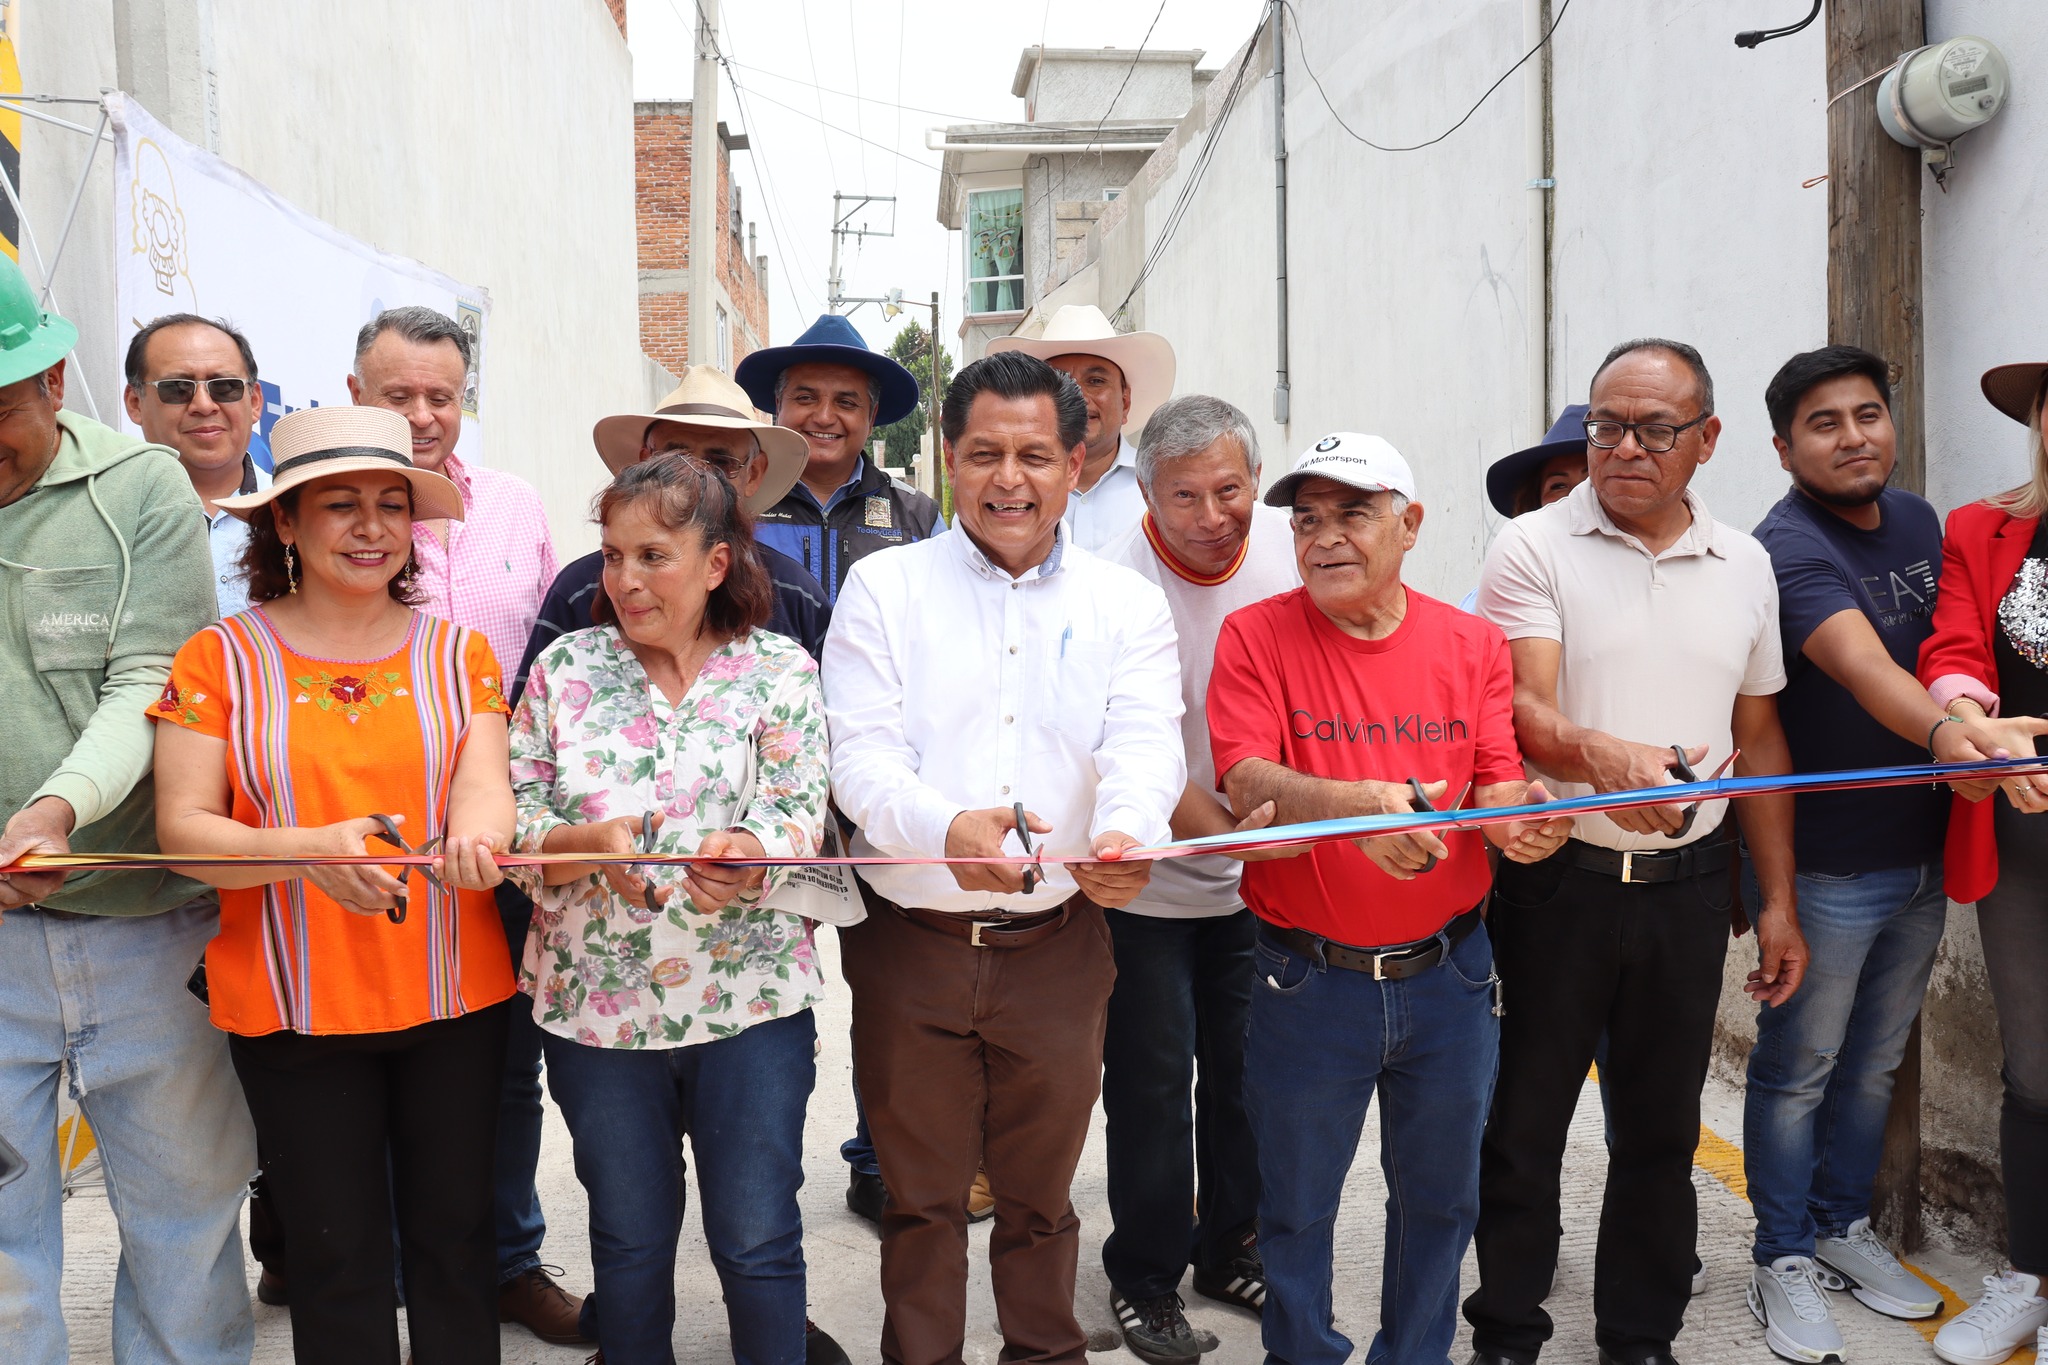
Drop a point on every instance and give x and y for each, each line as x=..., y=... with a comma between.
x=1418, y=802
x=647, y=846
x=1024, y=837
x=1684, y=772
x=389, y=834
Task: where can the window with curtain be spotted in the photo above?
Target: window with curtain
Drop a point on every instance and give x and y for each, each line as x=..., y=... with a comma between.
x=995, y=251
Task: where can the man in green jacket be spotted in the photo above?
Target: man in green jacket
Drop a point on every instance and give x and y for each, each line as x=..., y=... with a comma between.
x=104, y=573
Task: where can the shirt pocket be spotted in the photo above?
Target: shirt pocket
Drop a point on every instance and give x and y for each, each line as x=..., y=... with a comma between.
x=69, y=616
x=1077, y=694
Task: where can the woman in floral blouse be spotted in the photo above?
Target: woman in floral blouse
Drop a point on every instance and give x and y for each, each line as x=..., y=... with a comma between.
x=674, y=1002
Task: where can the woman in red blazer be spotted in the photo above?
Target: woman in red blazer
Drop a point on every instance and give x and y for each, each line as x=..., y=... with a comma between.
x=1987, y=663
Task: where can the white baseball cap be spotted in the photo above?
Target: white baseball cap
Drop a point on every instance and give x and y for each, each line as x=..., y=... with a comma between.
x=1367, y=463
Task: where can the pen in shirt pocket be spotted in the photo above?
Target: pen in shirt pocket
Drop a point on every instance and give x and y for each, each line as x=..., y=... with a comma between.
x=1065, y=636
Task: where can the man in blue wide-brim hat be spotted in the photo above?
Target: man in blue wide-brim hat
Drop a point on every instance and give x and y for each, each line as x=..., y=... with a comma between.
x=831, y=387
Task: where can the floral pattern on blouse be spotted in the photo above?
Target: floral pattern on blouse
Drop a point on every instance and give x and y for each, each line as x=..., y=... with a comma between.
x=593, y=740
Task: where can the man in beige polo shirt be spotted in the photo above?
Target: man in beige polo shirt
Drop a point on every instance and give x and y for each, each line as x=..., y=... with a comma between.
x=1645, y=642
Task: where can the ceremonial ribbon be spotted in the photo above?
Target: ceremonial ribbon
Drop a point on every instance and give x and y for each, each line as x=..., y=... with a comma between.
x=1278, y=836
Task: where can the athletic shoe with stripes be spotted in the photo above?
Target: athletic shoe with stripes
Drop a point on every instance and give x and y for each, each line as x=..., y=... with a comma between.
x=1157, y=1330
x=1241, y=1282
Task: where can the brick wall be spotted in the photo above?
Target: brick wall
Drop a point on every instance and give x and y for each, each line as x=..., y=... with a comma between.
x=618, y=9
x=661, y=135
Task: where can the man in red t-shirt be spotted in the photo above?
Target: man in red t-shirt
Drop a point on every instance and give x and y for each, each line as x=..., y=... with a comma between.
x=1374, y=967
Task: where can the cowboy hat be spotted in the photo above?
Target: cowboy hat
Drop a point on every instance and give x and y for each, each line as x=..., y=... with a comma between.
x=708, y=397
x=31, y=340
x=831, y=340
x=1146, y=358
x=313, y=443
x=2015, y=390
x=1505, y=476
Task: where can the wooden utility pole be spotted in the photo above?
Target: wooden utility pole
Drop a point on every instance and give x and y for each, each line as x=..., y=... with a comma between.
x=1874, y=188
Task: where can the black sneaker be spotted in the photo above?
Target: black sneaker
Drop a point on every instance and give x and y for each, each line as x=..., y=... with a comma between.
x=1156, y=1329
x=1240, y=1281
x=820, y=1349
x=865, y=1195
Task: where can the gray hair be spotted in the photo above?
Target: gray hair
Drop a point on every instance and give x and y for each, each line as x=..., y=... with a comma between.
x=874, y=384
x=416, y=323
x=1189, y=424
x=1686, y=354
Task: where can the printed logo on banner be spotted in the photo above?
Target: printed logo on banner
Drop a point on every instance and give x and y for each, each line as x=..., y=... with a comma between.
x=157, y=226
x=470, y=319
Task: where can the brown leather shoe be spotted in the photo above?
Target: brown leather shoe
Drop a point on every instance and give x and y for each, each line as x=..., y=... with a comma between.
x=981, y=1202
x=534, y=1301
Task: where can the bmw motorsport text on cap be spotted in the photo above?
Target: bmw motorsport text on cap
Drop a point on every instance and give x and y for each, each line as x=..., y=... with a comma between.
x=1367, y=463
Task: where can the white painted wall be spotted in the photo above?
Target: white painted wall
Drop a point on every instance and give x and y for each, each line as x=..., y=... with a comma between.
x=491, y=139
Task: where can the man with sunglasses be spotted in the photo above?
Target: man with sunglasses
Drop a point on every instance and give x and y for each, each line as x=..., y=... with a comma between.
x=1645, y=639
x=192, y=386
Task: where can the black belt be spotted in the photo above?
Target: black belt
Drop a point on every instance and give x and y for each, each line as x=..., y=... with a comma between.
x=1703, y=859
x=1394, y=963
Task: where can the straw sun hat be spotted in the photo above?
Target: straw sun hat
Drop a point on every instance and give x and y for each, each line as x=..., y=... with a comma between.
x=314, y=443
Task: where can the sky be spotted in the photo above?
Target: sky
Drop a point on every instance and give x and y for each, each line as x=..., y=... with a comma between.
x=799, y=65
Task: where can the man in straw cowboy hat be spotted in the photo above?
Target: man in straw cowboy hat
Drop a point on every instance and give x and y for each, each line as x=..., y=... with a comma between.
x=104, y=573
x=832, y=389
x=707, y=418
x=1123, y=376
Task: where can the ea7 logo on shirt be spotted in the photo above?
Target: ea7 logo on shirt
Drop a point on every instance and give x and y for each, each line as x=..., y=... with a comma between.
x=1408, y=729
x=1902, y=595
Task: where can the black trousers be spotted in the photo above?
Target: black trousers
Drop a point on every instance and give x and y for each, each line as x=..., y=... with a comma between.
x=1580, y=953
x=345, y=1122
x=1177, y=1020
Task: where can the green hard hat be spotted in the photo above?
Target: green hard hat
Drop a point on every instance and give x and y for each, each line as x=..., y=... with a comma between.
x=31, y=340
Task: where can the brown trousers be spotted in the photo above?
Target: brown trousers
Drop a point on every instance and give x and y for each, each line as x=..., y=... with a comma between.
x=978, y=1056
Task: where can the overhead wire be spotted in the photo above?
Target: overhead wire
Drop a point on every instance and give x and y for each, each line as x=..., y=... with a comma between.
x=1135, y=56
x=870, y=99
x=824, y=126
x=915, y=161
x=853, y=47
x=1302, y=49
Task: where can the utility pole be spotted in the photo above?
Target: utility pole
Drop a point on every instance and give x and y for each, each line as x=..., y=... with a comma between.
x=704, y=224
x=1874, y=302
x=840, y=231
x=1282, y=391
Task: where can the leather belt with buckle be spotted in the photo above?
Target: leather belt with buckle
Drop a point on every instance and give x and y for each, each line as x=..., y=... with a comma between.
x=990, y=931
x=1396, y=962
x=1651, y=865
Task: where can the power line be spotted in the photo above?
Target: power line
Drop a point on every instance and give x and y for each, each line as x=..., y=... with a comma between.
x=915, y=161
x=1127, y=72
x=870, y=99
x=860, y=130
x=896, y=172
x=1302, y=49
x=804, y=8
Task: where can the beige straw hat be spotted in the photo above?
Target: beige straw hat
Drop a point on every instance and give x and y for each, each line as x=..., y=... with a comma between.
x=313, y=443
x=708, y=397
x=1146, y=358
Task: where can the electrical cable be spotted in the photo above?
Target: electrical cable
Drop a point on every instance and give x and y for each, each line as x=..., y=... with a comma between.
x=870, y=99
x=824, y=135
x=927, y=165
x=859, y=128
x=1135, y=56
x=1302, y=50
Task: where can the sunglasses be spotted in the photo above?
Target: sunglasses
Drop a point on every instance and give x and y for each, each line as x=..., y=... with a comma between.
x=178, y=392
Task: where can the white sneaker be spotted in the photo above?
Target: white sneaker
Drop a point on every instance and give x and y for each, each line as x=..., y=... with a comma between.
x=1699, y=1280
x=1992, y=1328
x=1862, y=1264
x=1787, y=1299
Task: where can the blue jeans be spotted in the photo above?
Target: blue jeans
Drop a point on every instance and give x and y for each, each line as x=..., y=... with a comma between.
x=515, y=1203
x=152, y=1075
x=741, y=1100
x=1820, y=1075
x=1176, y=1023
x=1321, y=1039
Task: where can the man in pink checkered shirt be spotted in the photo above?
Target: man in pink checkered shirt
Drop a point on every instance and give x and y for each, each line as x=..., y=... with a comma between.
x=490, y=570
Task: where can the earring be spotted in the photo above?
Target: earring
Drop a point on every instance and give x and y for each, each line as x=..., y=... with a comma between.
x=291, y=569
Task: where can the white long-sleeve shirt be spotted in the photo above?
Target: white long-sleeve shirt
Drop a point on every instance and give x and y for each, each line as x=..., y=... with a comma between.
x=950, y=686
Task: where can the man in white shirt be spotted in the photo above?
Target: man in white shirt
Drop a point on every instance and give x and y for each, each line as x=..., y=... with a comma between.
x=192, y=386
x=970, y=680
x=1184, y=1179
x=1122, y=377
x=1645, y=640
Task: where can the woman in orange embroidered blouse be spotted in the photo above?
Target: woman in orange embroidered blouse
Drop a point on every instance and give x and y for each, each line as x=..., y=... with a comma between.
x=358, y=1028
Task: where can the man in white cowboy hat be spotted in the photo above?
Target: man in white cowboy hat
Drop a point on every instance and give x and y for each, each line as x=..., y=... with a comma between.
x=830, y=387
x=707, y=418
x=1123, y=376
x=104, y=573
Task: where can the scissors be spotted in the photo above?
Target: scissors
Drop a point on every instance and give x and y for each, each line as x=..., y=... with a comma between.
x=1683, y=771
x=647, y=846
x=389, y=834
x=1024, y=836
x=1418, y=802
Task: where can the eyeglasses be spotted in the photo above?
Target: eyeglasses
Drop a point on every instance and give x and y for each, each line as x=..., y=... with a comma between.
x=1654, y=437
x=726, y=462
x=178, y=392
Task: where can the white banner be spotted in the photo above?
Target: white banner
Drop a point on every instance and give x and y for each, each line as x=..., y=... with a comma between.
x=192, y=234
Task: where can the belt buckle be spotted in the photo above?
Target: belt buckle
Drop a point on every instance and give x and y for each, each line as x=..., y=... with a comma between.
x=1628, y=862
x=1378, y=974
x=974, y=939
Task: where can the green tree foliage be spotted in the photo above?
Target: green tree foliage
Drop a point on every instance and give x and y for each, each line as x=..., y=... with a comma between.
x=912, y=349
